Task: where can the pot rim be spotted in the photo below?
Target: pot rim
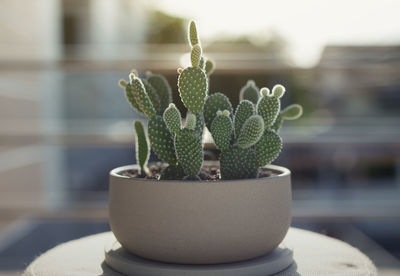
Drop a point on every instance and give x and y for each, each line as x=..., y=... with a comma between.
x=116, y=173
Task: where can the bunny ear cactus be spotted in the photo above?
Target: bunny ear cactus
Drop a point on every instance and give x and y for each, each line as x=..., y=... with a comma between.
x=249, y=92
x=270, y=104
x=247, y=138
x=193, y=87
x=256, y=142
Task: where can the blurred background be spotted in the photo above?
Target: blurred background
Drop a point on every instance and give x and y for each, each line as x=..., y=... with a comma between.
x=64, y=122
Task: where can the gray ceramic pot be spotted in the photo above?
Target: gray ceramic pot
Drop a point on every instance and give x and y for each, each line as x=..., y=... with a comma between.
x=200, y=222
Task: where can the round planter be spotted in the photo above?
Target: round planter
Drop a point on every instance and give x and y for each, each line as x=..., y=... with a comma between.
x=200, y=222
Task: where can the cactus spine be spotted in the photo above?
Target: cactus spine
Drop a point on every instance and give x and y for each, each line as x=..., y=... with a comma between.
x=248, y=139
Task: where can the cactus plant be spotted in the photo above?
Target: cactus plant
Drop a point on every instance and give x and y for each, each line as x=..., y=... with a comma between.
x=247, y=138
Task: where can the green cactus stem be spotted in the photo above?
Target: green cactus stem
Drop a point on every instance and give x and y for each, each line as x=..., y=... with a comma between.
x=132, y=98
x=172, y=172
x=249, y=92
x=153, y=95
x=161, y=140
x=292, y=112
x=193, y=87
x=277, y=124
x=221, y=129
x=278, y=91
x=209, y=67
x=215, y=102
x=142, y=147
x=268, y=148
x=122, y=83
x=162, y=87
x=190, y=121
x=193, y=37
x=195, y=56
x=269, y=105
x=238, y=163
x=251, y=131
x=141, y=97
x=189, y=151
x=244, y=110
x=172, y=118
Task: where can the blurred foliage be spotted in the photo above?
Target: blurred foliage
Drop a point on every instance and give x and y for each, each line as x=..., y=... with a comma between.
x=263, y=42
x=165, y=29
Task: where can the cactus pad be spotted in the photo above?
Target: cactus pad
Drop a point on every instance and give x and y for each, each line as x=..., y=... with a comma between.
x=251, y=132
x=161, y=140
x=238, y=163
x=153, y=95
x=161, y=86
x=189, y=151
x=209, y=67
x=292, y=112
x=193, y=37
x=277, y=124
x=268, y=107
x=131, y=98
x=172, y=118
x=268, y=148
x=193, y=87
x=249, y=92
x=195, y=56
x=244, y=110
x=278, y=91
x=142, y=146
x=141, y=97
x=221, y=130
x=215, y=102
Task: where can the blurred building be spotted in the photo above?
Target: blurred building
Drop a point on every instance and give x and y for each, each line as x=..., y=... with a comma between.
x=360, y=80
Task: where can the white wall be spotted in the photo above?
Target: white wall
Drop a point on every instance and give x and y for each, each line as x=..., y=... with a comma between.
x=29, y=30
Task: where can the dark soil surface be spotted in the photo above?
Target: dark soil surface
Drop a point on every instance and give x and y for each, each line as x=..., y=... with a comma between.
x=211, y=173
